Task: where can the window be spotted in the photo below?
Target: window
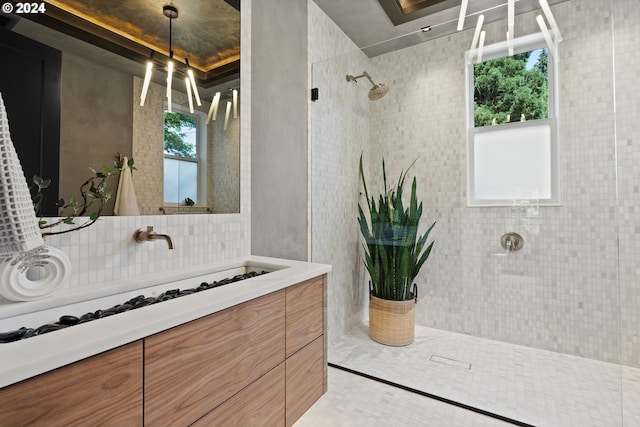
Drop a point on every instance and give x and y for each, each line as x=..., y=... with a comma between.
x=184, y=157
x=512, y=125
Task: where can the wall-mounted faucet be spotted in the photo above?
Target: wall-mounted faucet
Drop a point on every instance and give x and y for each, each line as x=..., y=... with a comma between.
x=149, y=235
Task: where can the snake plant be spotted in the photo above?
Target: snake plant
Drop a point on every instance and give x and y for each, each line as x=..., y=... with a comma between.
x=394, y=252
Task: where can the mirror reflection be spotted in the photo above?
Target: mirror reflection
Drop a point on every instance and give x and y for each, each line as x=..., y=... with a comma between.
x=198, y=160
x=185, y=162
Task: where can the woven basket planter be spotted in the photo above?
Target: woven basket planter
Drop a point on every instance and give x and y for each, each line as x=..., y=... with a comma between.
x=391, y=322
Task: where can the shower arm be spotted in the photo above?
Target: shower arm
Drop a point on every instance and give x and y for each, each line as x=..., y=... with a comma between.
x=351, y=78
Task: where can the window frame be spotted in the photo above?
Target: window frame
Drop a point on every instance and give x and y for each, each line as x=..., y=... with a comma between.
x=500, y=50
x=200, y=159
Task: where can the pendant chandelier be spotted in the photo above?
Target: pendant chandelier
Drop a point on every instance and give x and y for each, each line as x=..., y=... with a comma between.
x=171, y=12
x=232, y=105
x=479, y=34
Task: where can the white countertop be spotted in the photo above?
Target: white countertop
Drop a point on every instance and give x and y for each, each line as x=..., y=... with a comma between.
x=23, y=359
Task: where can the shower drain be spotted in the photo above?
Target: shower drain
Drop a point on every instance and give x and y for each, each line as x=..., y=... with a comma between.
x=451, y=362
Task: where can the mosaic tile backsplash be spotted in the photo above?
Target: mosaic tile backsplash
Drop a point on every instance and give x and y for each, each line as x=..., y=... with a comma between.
x=572, y=288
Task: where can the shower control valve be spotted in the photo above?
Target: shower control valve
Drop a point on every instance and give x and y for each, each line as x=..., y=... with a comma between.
x=512, y=242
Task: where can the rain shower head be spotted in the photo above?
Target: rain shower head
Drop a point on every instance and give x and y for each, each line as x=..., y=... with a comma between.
x=377, y=91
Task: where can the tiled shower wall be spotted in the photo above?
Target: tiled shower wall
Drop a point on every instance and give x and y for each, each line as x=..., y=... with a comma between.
x=148, y=122
x=626, y=18
x=105, y=253
x=338, y=131
x=562, y=291
x=225, y=151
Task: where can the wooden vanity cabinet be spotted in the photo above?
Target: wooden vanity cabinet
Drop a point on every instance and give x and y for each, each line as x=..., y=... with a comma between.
x=104, y=390
x=262, y=363
x=261, y=403
x=193, y=368
x=305, y=313
x=306, y=364
x=305, y=379
x=259, y=363
x=281, y=396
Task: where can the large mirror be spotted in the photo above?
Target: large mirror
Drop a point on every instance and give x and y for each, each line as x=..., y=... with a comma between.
x=187, y=160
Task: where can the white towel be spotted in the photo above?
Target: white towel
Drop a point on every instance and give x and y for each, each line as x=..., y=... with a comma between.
x=126, y=202
x=19, y=229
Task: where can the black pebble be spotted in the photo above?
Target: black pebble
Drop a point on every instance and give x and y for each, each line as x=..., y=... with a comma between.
x=12, y=335
x=137, y=302
x=124, y=307
x=69, y=320
x=87, y=317
x=49, y=328
x=144, y=302
x=133, y=301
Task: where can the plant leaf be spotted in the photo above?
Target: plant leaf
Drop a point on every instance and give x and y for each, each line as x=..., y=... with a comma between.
x=393, y=250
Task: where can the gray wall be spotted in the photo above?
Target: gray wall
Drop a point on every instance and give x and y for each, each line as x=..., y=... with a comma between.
x=95, y=122
x=279, y=92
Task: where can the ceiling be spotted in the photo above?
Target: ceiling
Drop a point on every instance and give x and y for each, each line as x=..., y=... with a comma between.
x=382, y=26
x=206, y=32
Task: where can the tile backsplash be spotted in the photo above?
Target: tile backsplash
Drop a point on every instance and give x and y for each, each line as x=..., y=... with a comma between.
x=106, y=251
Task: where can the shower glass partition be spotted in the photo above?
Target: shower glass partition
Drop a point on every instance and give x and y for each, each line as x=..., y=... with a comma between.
x=546, y=335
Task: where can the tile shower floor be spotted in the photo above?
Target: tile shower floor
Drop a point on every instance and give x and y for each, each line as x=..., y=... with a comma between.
x=533, y=386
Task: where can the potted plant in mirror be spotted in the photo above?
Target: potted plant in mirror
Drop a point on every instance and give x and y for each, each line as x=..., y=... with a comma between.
x=394, y=252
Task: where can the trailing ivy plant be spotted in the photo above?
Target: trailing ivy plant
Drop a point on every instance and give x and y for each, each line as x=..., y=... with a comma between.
x=94, y=196
x=393, y=250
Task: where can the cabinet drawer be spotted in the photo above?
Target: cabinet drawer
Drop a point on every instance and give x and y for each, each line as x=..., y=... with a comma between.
x=305, y=375
x=104, y=390
x=305, y=313
x=193, y=368
x=260, y=404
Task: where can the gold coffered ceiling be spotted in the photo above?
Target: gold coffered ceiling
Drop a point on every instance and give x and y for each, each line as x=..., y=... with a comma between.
x=207, y=32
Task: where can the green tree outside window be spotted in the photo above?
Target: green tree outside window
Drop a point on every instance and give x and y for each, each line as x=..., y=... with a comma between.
x=175, y=125
x=506, y=89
